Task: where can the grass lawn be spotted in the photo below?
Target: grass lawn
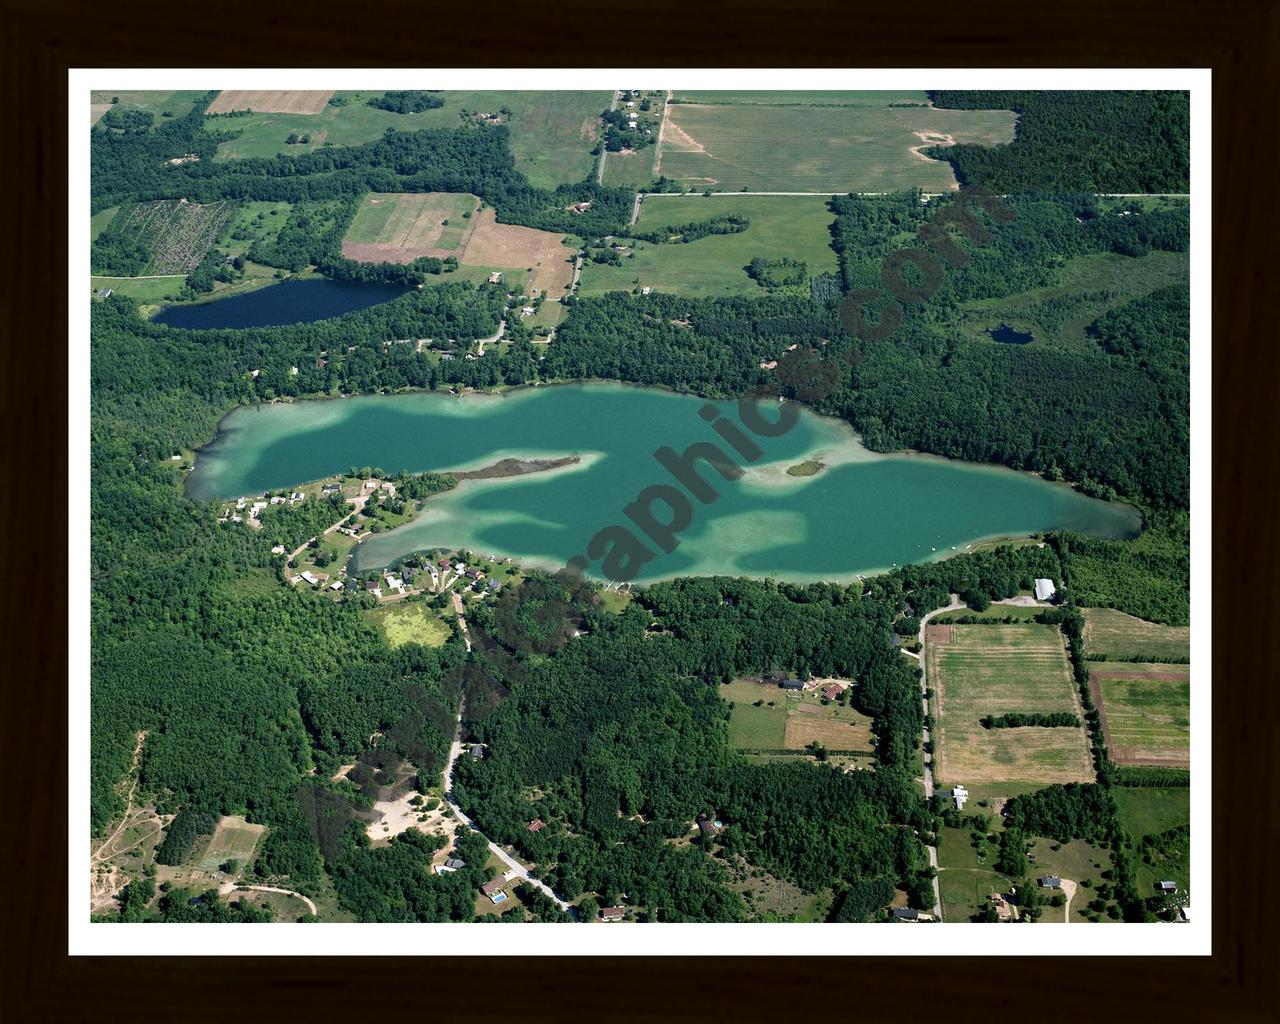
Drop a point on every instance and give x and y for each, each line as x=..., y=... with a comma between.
x=793, y=226
x=981, y=670
x=145, y=290
x=410, y=622
x=995, y=613
x=1121, y=636
x=832, y=149
x=552, y=133
x=99, y=221
x=965, y=878
x=1076, y=860
x=1143, y=812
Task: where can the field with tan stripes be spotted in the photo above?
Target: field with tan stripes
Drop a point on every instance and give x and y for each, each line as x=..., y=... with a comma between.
x=982, y=670
x=271, y=101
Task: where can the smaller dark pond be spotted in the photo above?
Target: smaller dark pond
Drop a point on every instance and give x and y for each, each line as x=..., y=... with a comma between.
x=1006, y=335
x=290, y=302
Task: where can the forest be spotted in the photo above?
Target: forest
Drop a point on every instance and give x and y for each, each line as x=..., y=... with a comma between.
x=1077, y=141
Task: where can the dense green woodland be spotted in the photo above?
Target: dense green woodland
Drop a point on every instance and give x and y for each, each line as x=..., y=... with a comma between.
x=1077, y=140
x=251, y=693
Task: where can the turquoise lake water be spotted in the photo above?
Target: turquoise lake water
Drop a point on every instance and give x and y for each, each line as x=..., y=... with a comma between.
x=863, y=512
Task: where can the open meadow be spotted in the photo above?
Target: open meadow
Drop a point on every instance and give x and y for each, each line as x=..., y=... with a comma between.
x=552, y=133
x=831, y=149
x=271, y=101
x=400, y=227
x=805, y=97
x=1119, y=636
x=796, y=227
x=1145, y=711
x=410, y=622
x=982, y=670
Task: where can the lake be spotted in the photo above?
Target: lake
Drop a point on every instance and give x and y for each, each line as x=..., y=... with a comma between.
x=290, y=302
x=861, y=512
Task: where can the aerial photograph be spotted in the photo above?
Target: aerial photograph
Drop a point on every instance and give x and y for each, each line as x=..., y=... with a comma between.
x=637, y=505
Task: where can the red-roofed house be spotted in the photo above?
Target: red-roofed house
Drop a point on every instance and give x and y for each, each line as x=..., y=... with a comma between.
x=537, y=825
x=613, y=913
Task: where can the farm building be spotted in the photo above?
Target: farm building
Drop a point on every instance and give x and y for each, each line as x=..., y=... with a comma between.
x=904, y=914
x=1045, y=590
x=1049, y=882
x=791, y=684
x=612, y=913
x=960, y=795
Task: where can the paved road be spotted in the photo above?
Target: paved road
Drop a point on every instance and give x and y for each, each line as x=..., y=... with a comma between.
x=514, y=868
x=955, y=605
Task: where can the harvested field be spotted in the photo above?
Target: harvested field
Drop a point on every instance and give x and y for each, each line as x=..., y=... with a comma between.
x=1145, y=712
x=271, y=101
x=833, y=726
x=1120, y=636
x=508, y=246
x=398, y=228
x=401, y=227
x=984, y=670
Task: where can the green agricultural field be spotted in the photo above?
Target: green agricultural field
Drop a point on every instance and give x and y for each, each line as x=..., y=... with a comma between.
x=552, y=133
x=756, y=728
x=1120, y=636
x=819, y=149
x=1143, y=812
x=405, y=623
x=791, y=226
x=982, y=670
x=805, y=97
x=1087, y=286
x=1146, y=712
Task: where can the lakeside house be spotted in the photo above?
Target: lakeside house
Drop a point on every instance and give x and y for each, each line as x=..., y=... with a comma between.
x=1045, y=590
x=331, y=488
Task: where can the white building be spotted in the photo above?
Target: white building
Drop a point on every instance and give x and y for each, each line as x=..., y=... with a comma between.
x=1045, y=590
x=960, y=795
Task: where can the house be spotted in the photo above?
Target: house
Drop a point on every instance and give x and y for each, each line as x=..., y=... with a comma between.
x=581, y=207
x=336, y=585
x=770, y=364
x=105, y=293
x=477, y=751
x=494, y=586
x=708, y=827
x=372, y=587
x=904, y=914
x=1049, y=882
x=371, y=485
x=495, y=277
x=278, y=549
x=631, y=103
x=331, y=488
x=258, y=506
x=960, y=795
x=537, y=825
x=612, y=913
x=454, y=863
x=493, y=886
x=526, y=311
x=1167, y=886
x=310, y=579
x=832, y=692
x=389, y=488
x=277, y=500
x=240, y=504
x=645, y=290
x=1045, y=590
x=395, y=583
x=791, y=684
x=296, y=497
